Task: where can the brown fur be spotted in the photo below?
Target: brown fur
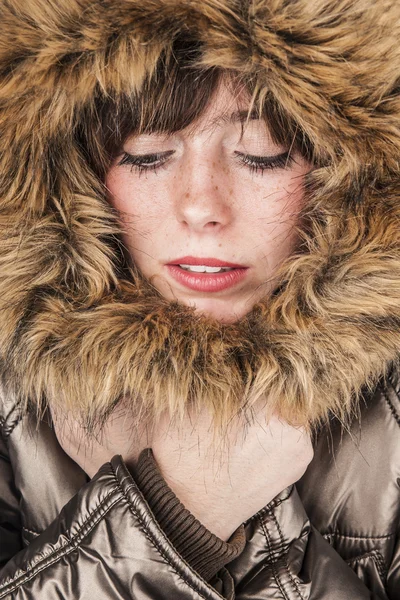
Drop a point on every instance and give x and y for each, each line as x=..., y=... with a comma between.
x=76, y=331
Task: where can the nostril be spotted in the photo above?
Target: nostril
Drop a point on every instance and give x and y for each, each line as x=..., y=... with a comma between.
x=398, y=481
x=212, y=224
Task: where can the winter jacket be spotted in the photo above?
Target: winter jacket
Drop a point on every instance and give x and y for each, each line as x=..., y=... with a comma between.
x=334, y=537
x=79, y=329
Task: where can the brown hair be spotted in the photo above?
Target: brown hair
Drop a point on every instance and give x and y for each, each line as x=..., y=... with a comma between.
x=170, y=99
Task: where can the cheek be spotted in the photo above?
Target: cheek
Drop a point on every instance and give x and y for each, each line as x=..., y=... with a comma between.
x=277, y=202
x=274, y=217
x=135, y=203
x=119, y=192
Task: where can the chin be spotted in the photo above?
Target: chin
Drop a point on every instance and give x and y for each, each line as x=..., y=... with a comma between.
x=225, y=310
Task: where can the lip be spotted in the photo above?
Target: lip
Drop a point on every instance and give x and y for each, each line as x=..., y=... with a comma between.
x=210, y=262
x=206, y=282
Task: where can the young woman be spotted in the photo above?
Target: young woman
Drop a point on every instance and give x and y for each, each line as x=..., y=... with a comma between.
x=200, y=299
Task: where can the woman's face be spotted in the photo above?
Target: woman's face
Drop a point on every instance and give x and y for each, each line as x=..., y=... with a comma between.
x=208, y=217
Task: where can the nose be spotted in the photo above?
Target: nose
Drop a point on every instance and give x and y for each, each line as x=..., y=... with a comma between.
x=202, y=203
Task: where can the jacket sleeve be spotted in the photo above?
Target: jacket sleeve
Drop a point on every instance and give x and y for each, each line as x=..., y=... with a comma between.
x=104, y=544
x=287, y=558
x=107, y=544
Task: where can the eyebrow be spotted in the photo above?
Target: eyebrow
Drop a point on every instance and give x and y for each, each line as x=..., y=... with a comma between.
x=237, y=116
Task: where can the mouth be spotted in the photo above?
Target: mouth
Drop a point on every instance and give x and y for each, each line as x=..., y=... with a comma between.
x=206, y=274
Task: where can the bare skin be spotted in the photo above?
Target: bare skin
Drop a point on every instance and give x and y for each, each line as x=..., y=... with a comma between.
x=203, y=199
x=200, y=195
x=222, y=481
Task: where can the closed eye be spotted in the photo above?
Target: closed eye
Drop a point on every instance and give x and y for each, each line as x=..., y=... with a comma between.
x=156, y=161
x=262, y=163
x=145, y=162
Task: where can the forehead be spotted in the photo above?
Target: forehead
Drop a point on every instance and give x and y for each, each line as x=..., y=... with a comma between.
x=237, y=116
x=225, y=107
x=207, y=126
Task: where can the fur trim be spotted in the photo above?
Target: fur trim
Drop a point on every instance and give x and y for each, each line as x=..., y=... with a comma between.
x=76, y=332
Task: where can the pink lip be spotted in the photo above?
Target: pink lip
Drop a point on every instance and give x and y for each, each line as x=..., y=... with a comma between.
x=206, y=282
x=210, y=262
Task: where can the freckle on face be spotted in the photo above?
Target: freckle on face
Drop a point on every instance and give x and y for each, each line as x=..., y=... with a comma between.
x=256, y=232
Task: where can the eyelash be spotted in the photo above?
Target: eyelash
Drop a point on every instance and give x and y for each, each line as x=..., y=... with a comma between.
x=144, y=162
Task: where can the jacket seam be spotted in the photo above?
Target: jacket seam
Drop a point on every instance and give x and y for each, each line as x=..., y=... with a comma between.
x=63, y=550
x=273, y=563
x=392, y=377
x=4, y=420
x=359, y=537
x=380, y=562
x=30, y=530
x=284, y=558
x=391, y=407
x=155, y=543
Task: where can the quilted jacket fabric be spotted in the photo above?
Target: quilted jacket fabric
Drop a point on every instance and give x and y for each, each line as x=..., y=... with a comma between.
x=334, y=536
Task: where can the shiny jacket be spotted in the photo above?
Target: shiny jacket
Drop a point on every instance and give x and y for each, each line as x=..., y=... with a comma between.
x=80, y=329
x=335, y=537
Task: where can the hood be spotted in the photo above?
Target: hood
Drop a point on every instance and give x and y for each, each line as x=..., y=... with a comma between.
x=78, y=330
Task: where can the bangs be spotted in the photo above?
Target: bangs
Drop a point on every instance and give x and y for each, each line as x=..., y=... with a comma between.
x=173, y=97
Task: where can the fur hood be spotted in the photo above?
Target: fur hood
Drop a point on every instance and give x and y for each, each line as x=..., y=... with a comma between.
x=79, y=331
